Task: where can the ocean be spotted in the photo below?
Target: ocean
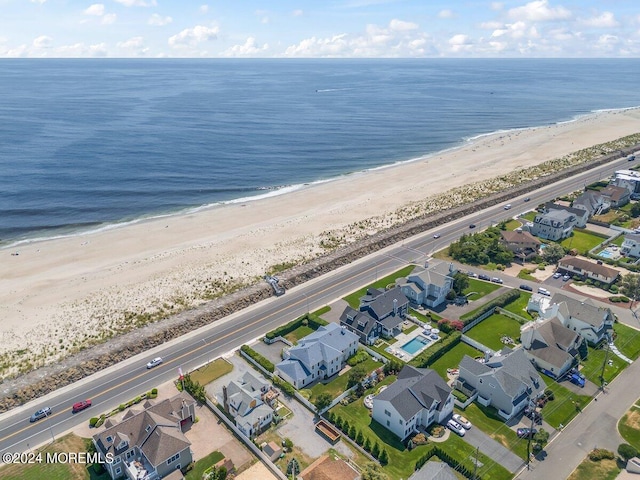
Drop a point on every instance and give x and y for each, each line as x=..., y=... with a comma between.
x=91, y=144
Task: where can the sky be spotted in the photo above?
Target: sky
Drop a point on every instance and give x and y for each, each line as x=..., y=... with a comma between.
x=320, y=28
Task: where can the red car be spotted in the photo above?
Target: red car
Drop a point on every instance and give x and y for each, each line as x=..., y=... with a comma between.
x=81, y=405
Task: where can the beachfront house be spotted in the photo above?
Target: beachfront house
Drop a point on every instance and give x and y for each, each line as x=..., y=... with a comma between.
x=629, y=179
x=582, y=217
x=616, y=196
x=362, y=324
x=591, y=202
x=506, y=380
x=551, y=346
x=317, y=356
x=553, y=224
x=592, y=322
x=418, y=398
x=149, y=443
x=244, y=399
x=430, y=285
x=631, y=245
x=387, y=307
x=583, y=268
x=523, y=245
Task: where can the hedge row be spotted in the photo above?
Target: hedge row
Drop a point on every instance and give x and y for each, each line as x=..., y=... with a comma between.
x=313, y=321
x=448, y=459
x=262, y=361
x=501, y=301
x=355, y=434
x=285, y=386
x=441, y=347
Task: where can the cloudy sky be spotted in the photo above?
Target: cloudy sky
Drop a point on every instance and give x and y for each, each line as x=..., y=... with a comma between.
x=320, y=28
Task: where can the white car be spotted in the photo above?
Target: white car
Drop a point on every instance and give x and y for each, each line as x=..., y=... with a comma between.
x=456, y=427
x=436, y=235
x=507, y=206
x=557, y=275
x=155, y=362
x=462, y=421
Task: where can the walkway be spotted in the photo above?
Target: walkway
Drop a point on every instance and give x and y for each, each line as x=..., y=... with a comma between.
x=617, y=352
x=492, y=449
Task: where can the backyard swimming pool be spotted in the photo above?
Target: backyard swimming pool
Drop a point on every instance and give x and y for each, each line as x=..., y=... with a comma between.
x=610, y=252
x=415, y=344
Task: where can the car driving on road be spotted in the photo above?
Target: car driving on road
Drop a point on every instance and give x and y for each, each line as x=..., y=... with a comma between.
x=43, y=412
x=78, y=406
x=155, y=362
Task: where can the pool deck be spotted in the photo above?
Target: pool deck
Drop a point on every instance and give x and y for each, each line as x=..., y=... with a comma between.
x=402, y=339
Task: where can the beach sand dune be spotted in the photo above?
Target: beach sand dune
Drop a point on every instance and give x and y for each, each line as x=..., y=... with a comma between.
x=57, y=294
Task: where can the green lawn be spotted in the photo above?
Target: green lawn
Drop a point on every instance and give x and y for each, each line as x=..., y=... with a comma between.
x=321, y=311
x=353, y=299
x=479, y=288
x=489, y=331
x=512, y=224
x=602, y=470
x=211, y=371
x=565, y=405
x=488, y=420
x=201, y=465
x=583, y=240
x=452, y=358
x=410, y=329
x=401, y=460
x=525, y=275
x=592, y=366
x=627, y=340
x=519, y=306
x=339, y=384
x=430, y=317
x=381, y=351
x=300, y=332
x=531, y=216
x=629, y=427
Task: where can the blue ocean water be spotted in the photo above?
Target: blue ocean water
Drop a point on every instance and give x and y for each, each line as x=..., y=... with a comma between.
x=89, y=143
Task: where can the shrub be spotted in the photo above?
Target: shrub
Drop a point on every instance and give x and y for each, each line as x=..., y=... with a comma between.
x=286, y=387
x=100, y=421
x=121, y=407
x=441, y=347
x=93, y=421
x=312, y=320
x=154, y=391
x=358, y=357
x=598, y=454
x=626, y=451
x=500, y=301
x=262, y=361
x=420, y=439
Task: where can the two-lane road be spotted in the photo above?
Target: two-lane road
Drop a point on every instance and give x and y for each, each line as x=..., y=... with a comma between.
x=130, y=378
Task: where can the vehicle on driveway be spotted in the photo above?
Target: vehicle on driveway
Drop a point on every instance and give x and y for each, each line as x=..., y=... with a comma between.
x=566, y=278
x=577, y=378
x=78, y=406
x=544, y=291
x=533, y=414
x=526, y=432
x=557, y=275
x=43, y=412
x=456, y=427
x=155, y=362
x=526, y=287
x=462, y=421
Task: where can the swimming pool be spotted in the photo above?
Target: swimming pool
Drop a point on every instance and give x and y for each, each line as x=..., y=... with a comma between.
x=415, y=344
x=606, y=254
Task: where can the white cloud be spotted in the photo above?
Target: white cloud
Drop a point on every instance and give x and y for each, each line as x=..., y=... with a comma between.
x=138, y=3
x=204, y=8
x=604, y=20
x=297, y=13
x=514, y=30
x=459, y=40
x=82, y=50
x=446, y=13
x=539, y=10
x=109, y=18
x=491, y=25
x=42, y=41
x=134, y=46
x=39, y=2
x=248, y=49
x=402, y=26
x=497, y=6
x=159, y=21
x=96, y=9
x=194, y=36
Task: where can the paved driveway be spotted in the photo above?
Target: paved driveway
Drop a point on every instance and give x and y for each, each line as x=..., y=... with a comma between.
x=240, y=366
x=494, y=450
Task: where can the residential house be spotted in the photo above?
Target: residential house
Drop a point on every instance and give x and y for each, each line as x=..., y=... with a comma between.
x=591, y=202
x=244, y=399
x=319, y=355
x=582, y=217
x=507, y=381
x=551, y=346
x=616, y=196
x=553, y=225
x=428, y=286
x=362, y=324
x=328, y=468
x=593, y=323
x=388, y=307
x=584, y=269
x=631, y=245
x=150, y=443
x=523, y=245
x=418, y=398
x=434, y=470
x=629, y=179
x=272, y=450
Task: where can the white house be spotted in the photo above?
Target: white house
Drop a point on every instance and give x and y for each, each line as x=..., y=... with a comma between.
x=582, y=217
x=631, y=245
x=629, y=179
x=244, y=400
x=554, y=225
x=319, y=355
x=418, y=398
x=429, y=286
x=583, y=268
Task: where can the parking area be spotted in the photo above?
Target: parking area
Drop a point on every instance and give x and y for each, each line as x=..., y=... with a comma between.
x=272, y=352
x=240, y=366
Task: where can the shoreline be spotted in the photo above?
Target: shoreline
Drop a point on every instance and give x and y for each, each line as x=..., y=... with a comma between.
x=61, y=295
x=291, y=188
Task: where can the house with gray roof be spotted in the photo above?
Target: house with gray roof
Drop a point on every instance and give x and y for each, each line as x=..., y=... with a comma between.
x=319, y=355
x=584, y=317
x=591, y=202
x=244, y=399
x=631, y=245
x=387, y=307
x=583, y=268
x=362, y=324
x=150, y=443
x=552, y=347
x=428, y=286
x=523, y=245
x=554, y=224
x=582, y=217
x=616, y=196
x=418, y=398
x=505, y=380
x=434, y=470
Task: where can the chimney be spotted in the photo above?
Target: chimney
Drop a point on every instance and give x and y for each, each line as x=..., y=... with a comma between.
x=451, y=267
x=225, y=398
x=395, y=306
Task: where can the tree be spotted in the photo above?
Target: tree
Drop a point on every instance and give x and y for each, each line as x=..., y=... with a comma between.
x=367, y=444
x=460, y=282
x=384, y=457
x=626, y=451
x=323, y=401
x=288, y=444
x=373, y=471
x=630, y=286
x=359, y=438
x=352, y=432
x=375, y=451
x=635, y=210
x=553, y=252
x=356, y=375
x=293, y=467
x=541, y=438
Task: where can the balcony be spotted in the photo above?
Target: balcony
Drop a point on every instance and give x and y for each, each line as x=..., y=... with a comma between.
x=140, y=469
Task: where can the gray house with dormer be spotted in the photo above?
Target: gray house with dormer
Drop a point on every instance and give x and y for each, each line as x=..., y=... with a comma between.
x=244, y=399
x=507, y=381
x=554, y=224
x=428, y=286
x=387, y=307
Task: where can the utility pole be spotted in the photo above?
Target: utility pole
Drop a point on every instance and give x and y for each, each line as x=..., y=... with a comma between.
x=475, y=464
x=604, y=364
x=53, y=438
x=529, y=436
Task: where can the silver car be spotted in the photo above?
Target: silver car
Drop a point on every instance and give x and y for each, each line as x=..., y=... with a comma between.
x=43, y=412
x=456, y=427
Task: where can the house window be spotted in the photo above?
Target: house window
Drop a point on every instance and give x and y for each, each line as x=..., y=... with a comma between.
x=173, y=459
x=118, y=471
x=387, y=413
x=388, y=423
x=129, y=454
x=400, y=421
x=109, y=439
x=148, y=428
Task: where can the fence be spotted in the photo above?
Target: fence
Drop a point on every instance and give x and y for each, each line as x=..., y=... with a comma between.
x=476, y=344
x=375, y=354
x=515, y=316
x=269, y=341
x=482, y=317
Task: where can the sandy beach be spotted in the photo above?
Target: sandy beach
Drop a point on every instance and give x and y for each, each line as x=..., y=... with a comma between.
x=57, y=294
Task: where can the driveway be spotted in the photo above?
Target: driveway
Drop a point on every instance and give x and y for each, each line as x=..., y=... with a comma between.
x=492, y=449
x=240, y=366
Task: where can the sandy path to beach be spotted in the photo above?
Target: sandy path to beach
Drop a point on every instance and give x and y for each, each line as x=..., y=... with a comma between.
x=58, y=292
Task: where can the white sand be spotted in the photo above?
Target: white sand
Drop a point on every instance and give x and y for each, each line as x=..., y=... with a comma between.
x=63, y=291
